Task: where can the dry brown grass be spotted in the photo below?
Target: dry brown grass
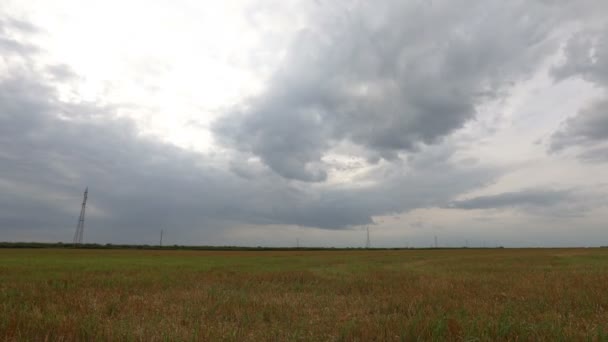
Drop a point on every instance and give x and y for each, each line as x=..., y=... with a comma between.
x=461, y=295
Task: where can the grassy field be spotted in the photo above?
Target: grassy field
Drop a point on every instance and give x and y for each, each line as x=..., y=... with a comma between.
x=461, y=295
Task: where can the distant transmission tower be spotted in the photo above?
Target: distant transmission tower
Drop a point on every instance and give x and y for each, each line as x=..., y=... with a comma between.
x=80, y=227
x=368, y=243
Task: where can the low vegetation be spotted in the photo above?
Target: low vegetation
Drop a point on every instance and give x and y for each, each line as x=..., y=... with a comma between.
x=153, y=295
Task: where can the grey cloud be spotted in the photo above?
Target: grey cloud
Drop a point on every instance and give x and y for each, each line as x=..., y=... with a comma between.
x=595, y=155
x=60, y=72
x=367, y=77
x=140, y=185
x=388, y=77
x=9, y=23
x=524, y=198
x=290, y=145
x=135, y=183
x=548, y=203
x=51, y=149
x=588, y=127
x=9, y=44
x=586, y=57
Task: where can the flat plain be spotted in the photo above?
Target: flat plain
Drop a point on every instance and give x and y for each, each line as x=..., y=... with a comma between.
x=353, y=295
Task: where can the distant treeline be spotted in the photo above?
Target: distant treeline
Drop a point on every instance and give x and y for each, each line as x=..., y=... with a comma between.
x=170, y=247
x=197, y=248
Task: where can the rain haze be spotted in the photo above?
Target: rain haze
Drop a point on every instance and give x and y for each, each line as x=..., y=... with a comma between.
x=263, y=123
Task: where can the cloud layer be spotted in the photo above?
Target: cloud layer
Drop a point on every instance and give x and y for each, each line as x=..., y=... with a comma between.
x=370, y=114
x=364, y=75
x=586, y=58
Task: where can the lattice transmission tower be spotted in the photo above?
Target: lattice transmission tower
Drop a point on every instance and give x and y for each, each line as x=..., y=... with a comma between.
x=368, y=243
x=80, y=226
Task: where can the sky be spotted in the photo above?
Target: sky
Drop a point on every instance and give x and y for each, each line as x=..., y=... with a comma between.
x=277, y=122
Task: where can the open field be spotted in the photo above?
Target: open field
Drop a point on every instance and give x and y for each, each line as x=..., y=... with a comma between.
x=463, y=295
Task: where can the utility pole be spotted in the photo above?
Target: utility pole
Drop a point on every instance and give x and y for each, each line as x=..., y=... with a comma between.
x=161, y=238
x=80, y=227
x=436, y=245
x=368, y=243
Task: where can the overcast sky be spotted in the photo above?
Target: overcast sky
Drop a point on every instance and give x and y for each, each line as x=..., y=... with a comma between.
x=249, y=122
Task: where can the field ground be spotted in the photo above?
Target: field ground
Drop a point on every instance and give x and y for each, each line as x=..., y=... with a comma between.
x=462, y=295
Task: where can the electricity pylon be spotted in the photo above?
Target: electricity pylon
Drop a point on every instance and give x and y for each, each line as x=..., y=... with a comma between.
x=80, y=227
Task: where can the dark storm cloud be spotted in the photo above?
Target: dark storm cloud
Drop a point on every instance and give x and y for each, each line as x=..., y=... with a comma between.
x=389, y=77
x=140, y=185
x=51, y=149
x=137, y=182
x=518, y=199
